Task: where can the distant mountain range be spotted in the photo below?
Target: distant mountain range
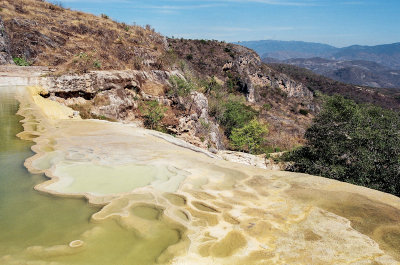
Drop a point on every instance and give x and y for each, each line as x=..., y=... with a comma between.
x=357, y=72
x=375, y=66
x=283, y=50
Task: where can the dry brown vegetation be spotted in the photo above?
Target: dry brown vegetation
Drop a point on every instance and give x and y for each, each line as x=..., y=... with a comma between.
x=49, y=35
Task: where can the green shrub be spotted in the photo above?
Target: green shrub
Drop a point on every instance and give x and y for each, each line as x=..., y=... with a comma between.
x=236, y=115
x=104, y=16
x=180, y=87
x=189, y=57
x=250, y=137
x=125, y=26
x=154, y=113
x=21, y=61
x=267, y=106
x=97, y=64
x=212, y=86
x=234, y=83
x=83, y=62
x=303, y=112
x=359, y=144
x=216, y=109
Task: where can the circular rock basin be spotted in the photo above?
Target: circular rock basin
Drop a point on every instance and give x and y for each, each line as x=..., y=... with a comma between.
x=76, y=243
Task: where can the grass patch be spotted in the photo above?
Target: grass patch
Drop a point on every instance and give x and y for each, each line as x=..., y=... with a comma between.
x=21, y=61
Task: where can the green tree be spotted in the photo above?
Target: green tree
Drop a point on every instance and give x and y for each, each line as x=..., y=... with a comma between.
x=250, y=137
x=154, y=113
x=236, y=115
x=359, y=144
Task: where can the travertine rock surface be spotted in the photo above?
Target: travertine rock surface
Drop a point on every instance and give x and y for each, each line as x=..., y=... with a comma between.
x=223, y=212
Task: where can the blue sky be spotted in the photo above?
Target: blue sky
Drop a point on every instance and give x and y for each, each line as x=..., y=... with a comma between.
x=335, y=22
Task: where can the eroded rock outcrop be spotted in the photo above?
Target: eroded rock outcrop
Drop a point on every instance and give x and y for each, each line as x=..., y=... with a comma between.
x=198, y=122
x=118, y=95
x=255, y=76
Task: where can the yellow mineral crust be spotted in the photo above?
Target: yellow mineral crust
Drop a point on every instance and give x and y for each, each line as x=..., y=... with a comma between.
x=165, y=204
x=50, y=109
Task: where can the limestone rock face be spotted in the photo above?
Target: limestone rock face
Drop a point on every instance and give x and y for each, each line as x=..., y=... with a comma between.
x=116, y=95
x=106, y=80
x=196, y=126
x=5, y=56
x=112, y=94
x=249, y=65
x=115, y=103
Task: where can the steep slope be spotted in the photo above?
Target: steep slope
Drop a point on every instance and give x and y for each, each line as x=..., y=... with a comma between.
x=164, y=203
x=47, y=35
x=279, y=100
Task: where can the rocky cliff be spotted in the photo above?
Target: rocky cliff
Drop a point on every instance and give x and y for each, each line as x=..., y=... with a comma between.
x=119, y=95
x=276, y=96
x=224, y=60
x=5, y=55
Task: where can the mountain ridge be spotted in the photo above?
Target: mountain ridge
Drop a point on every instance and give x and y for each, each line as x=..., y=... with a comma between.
x=385, y=54
x=357, y=72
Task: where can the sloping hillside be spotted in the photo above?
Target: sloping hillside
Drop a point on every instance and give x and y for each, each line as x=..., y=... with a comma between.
x=49, y=35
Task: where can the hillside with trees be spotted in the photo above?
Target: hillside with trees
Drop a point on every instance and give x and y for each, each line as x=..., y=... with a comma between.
x=354, y=143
